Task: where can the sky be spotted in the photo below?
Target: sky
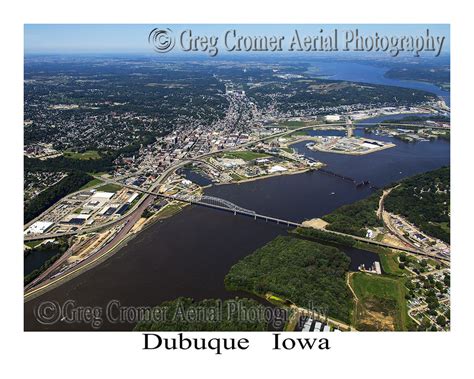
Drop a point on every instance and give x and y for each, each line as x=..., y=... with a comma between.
x=133, y=38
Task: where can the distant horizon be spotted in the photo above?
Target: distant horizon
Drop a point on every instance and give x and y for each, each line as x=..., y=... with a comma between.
x=442, y=60
x=129, y=39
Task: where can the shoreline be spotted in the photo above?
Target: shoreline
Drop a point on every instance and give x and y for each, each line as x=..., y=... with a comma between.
x=248, y=180
x=357, y=153
x=96, y=260
x=110, y=252
x=308, y=138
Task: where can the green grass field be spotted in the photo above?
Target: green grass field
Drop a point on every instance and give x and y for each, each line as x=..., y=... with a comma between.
x=245, y=155
x=383, y=297
x=109, y=187
x=33, y=244
x=294, y=124
x=375, y=285
x=304, y=132
x=92, y=183
x=100, y=173
x=277, y=300
x=235, y=177
x=379, y=237
x=169, y=210
x=87, y=155
x=390, y=264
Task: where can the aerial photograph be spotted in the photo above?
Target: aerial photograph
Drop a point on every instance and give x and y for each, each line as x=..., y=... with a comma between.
x=257, y=177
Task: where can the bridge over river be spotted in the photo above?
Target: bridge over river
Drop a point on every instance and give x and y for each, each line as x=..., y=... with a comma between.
x=227, y=206
x=220, y=204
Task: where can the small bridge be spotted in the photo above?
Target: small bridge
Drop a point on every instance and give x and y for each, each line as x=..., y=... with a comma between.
x=349, y=179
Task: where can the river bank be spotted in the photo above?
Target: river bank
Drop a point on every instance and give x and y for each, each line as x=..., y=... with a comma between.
x=190, y=253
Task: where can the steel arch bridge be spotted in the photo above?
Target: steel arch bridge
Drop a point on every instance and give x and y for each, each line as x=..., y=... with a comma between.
x=218, y=202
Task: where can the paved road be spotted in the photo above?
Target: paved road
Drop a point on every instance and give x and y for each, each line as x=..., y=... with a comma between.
x=101, y=253
x=174, y=167
x=133, y=215
x=286, y=222
x=385, y=218
x=422, y=308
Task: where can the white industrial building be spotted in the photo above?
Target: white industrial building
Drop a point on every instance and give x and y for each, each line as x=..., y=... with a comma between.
x=277, y=168
x=132, y=197
x=39, y=227
x=102, y=195
x=333, y=117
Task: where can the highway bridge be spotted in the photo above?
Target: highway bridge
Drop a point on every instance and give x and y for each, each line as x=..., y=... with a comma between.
x=227, y=206
x=199, y=159
x=219, y=204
